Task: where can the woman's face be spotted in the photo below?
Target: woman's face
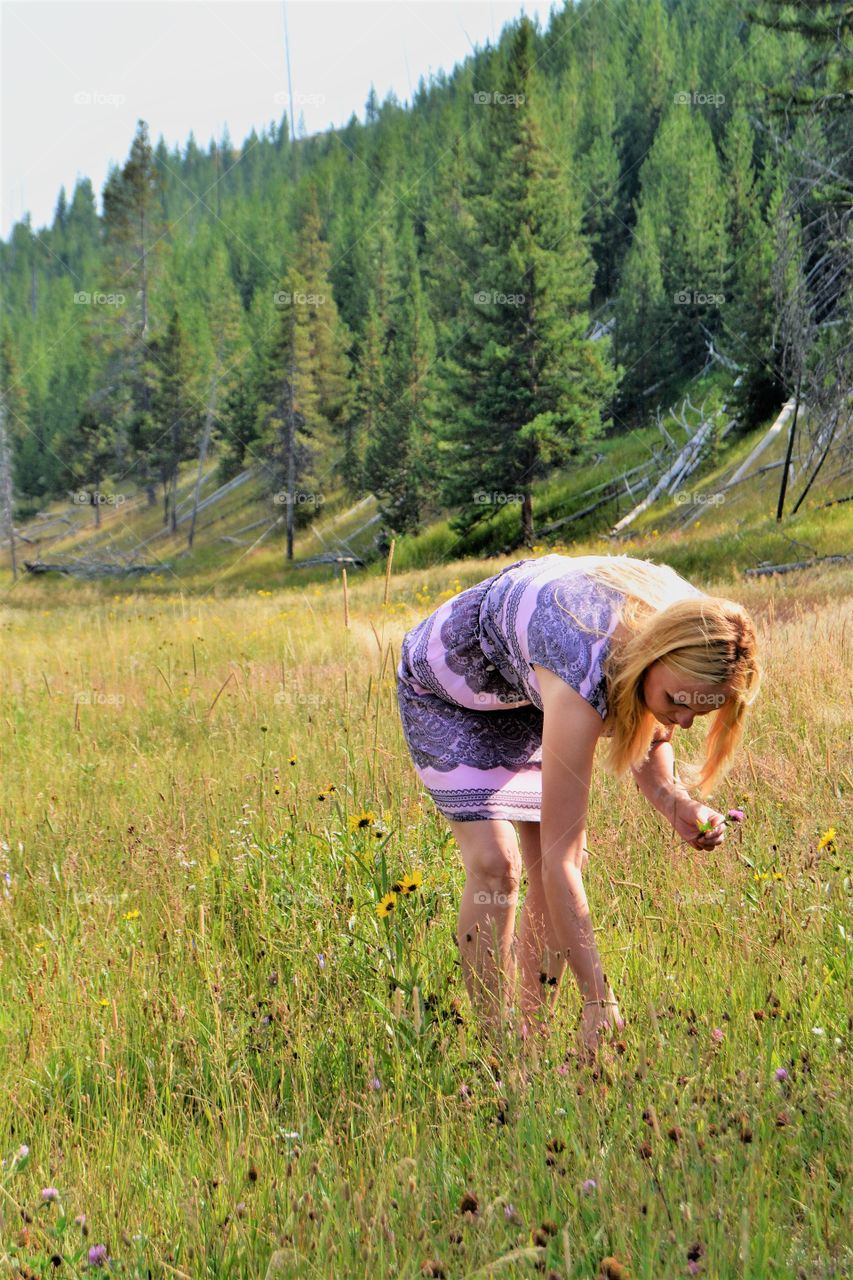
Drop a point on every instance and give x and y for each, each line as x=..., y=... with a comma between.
x=674, y=700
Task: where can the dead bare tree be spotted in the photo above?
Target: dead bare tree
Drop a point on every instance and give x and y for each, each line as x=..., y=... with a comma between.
x=813, y=284
x=7, y=504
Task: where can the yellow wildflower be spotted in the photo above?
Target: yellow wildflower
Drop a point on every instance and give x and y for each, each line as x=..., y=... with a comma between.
x=411, y=883
x=827, y=841
x=386, y=905
x=360, y=821
x=131, y=915
x=104, y=1003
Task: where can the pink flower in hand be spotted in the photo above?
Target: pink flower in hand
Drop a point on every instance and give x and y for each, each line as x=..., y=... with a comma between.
x=736, y=815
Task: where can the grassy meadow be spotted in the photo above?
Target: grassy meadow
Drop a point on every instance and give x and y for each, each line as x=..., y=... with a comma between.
x=218, y=1058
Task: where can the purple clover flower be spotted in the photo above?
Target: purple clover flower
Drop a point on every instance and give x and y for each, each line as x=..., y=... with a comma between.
x=49, y=1194
x=97, y=1255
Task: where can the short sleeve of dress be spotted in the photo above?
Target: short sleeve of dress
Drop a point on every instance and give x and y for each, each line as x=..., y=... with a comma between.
x=568, y=632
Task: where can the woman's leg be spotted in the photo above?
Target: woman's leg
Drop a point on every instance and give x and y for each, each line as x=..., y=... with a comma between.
x=487, y=915
x=541, y=962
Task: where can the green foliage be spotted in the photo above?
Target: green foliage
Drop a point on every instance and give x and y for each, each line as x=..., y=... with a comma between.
x=643, y=160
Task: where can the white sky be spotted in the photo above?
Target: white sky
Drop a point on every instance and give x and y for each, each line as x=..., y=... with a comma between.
x=197, y=65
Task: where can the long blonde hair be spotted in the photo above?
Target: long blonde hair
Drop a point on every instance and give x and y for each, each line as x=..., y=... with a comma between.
x=704, y=638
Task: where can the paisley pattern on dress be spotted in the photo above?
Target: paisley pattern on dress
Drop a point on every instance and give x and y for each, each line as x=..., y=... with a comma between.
x=557, y=642
x=460, y=636
x=443, y=736
x=469, y=699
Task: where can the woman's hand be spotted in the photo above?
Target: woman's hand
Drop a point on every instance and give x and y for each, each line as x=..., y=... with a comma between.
x=599, y=1020
x=688, y=814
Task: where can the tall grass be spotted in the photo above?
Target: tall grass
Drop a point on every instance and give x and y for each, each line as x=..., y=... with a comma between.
x=216, y=1051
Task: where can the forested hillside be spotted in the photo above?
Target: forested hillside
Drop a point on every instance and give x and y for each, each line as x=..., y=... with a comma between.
x=442, y=304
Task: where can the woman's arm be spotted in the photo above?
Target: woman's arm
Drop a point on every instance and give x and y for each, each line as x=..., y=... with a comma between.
x=657, y=781
x=656, y=777
x=570, y=731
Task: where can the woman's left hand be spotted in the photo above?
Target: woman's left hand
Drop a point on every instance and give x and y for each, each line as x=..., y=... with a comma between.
x=688, y=814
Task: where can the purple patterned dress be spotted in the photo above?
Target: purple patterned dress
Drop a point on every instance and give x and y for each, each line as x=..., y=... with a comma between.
x=470, y=704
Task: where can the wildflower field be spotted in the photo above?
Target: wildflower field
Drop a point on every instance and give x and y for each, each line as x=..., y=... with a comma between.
x=235, y=1037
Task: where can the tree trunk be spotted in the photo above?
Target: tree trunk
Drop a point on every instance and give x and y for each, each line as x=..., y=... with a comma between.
x=291, y=451
x=150, y=495
x=6, y=500
x=144, y=278
x=814, y=474
x=527, y=520
x=787, y=467
x=173, y=514
x=95, y=500
x=205, y=443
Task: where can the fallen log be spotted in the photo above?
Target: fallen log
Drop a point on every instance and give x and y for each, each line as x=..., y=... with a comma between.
x=330, y=559
x=693, y=446
x=766, y=569
x=93, y=569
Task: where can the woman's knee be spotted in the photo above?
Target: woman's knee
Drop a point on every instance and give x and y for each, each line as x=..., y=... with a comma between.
x=492, y=858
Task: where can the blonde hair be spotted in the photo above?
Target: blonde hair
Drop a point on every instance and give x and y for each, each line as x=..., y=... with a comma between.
x=704, y=638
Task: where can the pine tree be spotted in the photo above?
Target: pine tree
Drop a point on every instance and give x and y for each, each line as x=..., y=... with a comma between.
x=89, y=453
x=287, y=404
x=133, y=223
x=748, y=317
x=14, y=428
x=642, y=321
x=330, y=339
x=400, y=458
x=686, y=219
x=176, y=413
x=526, y=388
x=368, y=400
x=133, y=227
x=598, y=168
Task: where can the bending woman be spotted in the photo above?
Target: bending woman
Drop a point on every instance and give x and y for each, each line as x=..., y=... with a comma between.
x=504, y=692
